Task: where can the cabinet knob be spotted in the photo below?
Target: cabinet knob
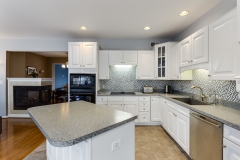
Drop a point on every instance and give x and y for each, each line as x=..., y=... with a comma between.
x=83, y=65
x=209, y=75
x=80, y=65
x=224, y=146
x=106, y=76
x=189, y=61
x=156, y=77
x=123, y=62
x=138, y=77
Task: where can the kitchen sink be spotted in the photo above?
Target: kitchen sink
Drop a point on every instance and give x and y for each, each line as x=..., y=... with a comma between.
x=190, y=101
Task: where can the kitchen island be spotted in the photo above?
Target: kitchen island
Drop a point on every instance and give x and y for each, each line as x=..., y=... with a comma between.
x=85, y=131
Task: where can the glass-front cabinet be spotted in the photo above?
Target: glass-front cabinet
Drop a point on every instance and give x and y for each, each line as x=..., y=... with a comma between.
x=163, y=60
x=160, y=61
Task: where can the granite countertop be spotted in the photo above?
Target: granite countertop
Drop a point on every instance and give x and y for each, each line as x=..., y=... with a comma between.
x=66, y=124
x=227, y=115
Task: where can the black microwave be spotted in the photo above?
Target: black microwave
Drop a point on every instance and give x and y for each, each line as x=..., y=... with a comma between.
x=83, y=81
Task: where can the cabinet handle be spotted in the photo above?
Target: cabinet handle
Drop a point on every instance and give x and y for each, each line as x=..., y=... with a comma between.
x=83, y=65
x=156, y=77
x=224, y=146
x=138, y=77
x=191, y=60
x=124, y=104
x=209, y=75
x=102, y=98
x=80, y=65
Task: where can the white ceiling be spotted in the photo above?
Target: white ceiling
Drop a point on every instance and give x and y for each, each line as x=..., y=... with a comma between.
x=52, y=54
x=115, y=19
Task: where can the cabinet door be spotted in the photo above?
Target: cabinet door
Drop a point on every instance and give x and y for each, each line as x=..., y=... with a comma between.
x=222, y=47
x=161, y=61
x=89, y=55
x=200, y=46
x=171, y=119
x=185, y=51
x=238, y=19
x=115, y=57
x=103, y=69
x=238, y=40
x=145, y=67
x=156, y=110
x=175, y=63
x=74, y=55
x=131, y=107
x=182, y=131
x=165, y=115
x=116, y=105
x=130, y=57
x=231, y=151
x=144, y=117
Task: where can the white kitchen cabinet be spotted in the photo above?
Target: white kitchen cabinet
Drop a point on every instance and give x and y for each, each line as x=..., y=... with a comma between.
x=144, y=117
x=231, y=151
x=116, y=105
x=194, y=49
x=171, y=126
x=82, y=54
x=130, y=57
x=163, y=60
x=103, y=65
x=238, y=40
x=238, y=21
x=145, y=67
x=156, y=110
x=175, y=74
x=122, y=57
x=185, y=51
x=115, y=57
x=165, y=114
x=223, y=47
x=182, y=131
x=103, y=104
x=178, y=124
x=200, y=46
x=131, y=107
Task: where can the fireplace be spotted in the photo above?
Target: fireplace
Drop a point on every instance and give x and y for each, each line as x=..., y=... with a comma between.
x=25, y=97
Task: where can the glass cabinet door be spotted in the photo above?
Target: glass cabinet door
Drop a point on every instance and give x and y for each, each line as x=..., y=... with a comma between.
x=161, y=62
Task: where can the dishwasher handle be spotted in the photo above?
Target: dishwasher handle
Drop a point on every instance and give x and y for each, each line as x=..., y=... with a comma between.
x=194, y=115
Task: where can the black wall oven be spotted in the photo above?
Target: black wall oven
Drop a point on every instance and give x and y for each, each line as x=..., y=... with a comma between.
x=83, y=87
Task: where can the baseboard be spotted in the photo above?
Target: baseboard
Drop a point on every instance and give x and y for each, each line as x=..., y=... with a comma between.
x=18, y=116
x=148, y=124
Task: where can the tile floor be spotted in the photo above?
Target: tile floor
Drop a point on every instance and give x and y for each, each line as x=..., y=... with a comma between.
x=153, y=143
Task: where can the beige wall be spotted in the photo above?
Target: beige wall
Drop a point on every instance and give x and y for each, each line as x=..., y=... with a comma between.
x=17, y=62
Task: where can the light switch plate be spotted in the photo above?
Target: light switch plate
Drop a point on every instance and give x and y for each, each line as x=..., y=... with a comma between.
x=116, y=145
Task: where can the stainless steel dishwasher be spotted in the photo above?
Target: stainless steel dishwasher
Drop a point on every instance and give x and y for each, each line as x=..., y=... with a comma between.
x=206, y=138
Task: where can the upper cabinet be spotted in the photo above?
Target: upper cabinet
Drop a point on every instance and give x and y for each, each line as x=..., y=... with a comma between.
x=175, y=73
x=82, y=54
x=194, y=49
x=103, y=66
x=222, y=47
x=238, y=40
x=163, y=60
x=145, y=67
x=122, y=57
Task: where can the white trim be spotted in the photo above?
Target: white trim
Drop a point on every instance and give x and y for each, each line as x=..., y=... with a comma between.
x=148, y=124
x=18, y=116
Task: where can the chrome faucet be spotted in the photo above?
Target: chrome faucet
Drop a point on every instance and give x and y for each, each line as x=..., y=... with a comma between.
x=202, y=95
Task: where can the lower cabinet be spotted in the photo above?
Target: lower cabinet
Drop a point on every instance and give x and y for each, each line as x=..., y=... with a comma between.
x=178, y=126
x=156, y=109
x=231, y=143
x=131, y=107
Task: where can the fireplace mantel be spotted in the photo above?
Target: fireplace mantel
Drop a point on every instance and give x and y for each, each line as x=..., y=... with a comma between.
x=22, y=82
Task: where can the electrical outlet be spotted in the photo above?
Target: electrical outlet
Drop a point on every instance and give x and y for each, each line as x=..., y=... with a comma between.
x=116, y=145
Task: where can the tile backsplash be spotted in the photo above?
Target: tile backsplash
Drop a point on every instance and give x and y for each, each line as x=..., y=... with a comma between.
x=125, y=79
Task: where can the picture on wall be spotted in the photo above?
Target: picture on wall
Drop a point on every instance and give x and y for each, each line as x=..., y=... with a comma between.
x=30, y=70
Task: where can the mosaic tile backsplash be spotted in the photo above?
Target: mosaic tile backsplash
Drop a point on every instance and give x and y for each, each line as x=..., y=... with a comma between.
x=125, y=79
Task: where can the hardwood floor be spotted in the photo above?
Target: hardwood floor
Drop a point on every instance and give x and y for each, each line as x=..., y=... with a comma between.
x=19, y=138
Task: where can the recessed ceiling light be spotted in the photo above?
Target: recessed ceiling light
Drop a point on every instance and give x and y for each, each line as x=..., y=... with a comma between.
x=184, y=13
x=83, y=28
x=146, y=28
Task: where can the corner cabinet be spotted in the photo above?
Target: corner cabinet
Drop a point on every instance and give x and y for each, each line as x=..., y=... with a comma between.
x=82, y=54
x=145, y=67
x=163, y=60
x=223, y=47
x=103, y=65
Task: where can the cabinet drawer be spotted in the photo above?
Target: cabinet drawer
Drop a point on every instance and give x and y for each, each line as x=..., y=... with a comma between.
x=144, y=99
x=144, y=104
x=101, y=99
x=182, y=110
x=115, y=99
x=104, y=104
x=144, y=117
x=231, y=134
x=130, y=99
x=144, y=109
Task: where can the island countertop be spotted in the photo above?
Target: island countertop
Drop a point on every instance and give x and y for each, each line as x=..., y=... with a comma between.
x=66, y=124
